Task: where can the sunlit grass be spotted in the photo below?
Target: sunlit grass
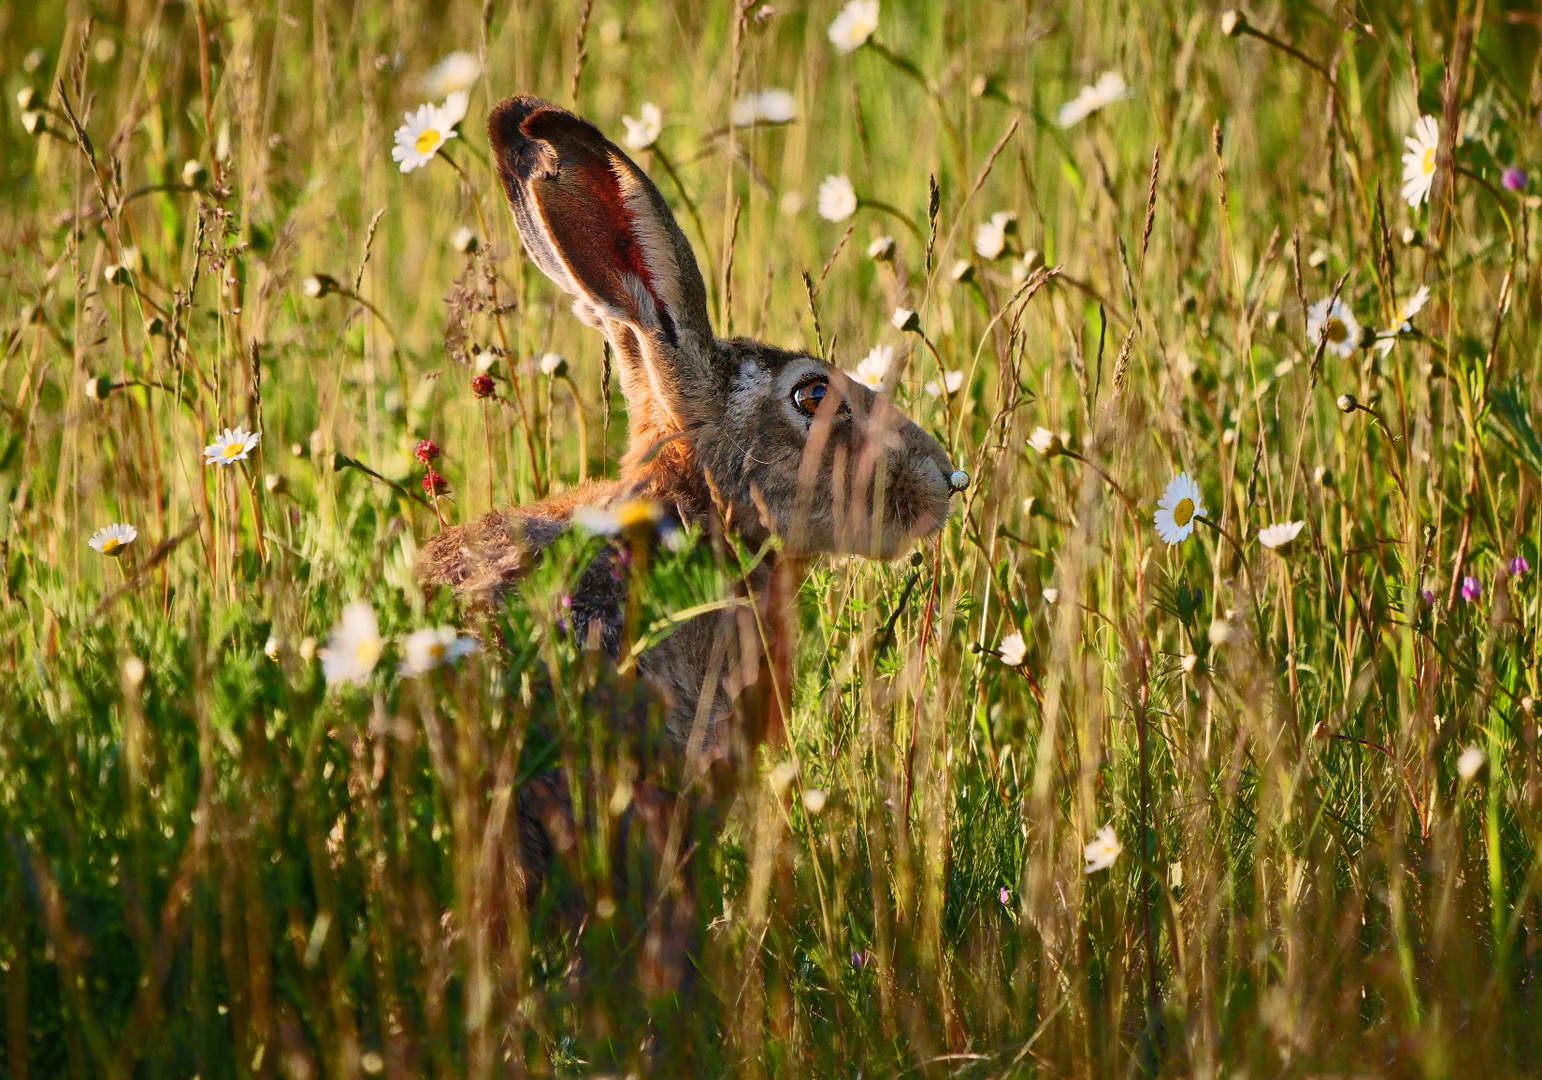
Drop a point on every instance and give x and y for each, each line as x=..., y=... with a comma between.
x=1057, y=797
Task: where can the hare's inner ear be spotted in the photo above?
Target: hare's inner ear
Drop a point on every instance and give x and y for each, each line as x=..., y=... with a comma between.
x=595, y=224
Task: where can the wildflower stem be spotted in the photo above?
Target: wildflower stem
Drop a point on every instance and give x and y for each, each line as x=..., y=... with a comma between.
x=893, y=211
x=1291, y=50
x=1109, y=480
x=503, y=336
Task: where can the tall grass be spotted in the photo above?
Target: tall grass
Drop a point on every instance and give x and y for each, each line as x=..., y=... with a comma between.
x=216, y=865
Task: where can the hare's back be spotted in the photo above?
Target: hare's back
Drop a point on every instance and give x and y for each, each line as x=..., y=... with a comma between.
x=483, y=559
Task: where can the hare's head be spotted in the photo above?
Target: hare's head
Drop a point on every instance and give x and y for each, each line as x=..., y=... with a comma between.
x=782, y=438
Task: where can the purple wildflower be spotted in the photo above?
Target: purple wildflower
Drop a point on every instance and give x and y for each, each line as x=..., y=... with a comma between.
x=1519, y=566
x=1006, y=896
x=1472, y=590
x=1514, y=178
x=1428, y=595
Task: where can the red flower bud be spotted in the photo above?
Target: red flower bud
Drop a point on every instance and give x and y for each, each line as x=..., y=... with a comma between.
x=482, y=386
x=434, y=484
x=426, y=451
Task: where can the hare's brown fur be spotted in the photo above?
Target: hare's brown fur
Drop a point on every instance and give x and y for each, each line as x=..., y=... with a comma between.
x=727, y=435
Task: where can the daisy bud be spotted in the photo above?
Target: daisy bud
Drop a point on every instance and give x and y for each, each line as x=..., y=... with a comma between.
x=116, y=274
x=961, y=271
x=98, y=387
x=1233, y=23
x=464, y=241
x=318, y=285
x=1317, y=259
x=26, y=98
x=193, y=173
x=434, y=484
x=426, y=451
x=275, y=483
x=482, y=386
x=882, y=249
x=34, y=60
x=1347, y=403
x=1046, y=442
x=1412, y=237
x=1272, y=320
x=906, y=320
x=1323, y=476
x=553, y=365
x=1033, y=258
x=35, y=122
x=155, y=326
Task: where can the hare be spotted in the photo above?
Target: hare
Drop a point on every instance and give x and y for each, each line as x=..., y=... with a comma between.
x=732, y=434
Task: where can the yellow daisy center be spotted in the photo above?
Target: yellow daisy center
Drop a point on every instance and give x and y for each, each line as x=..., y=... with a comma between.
x=428, y=139
x=1429, y=161
x=233, y=450
x=436, y=651
x=367, y=651
x=1183, y=513
x=111, y=545
x=1337, y=331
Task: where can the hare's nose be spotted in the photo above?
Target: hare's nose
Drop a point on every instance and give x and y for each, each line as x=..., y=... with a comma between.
x=958, y=480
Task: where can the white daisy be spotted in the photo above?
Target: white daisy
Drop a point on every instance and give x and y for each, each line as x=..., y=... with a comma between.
x=233, y=445
x=423, y=650
x=620, y=516
x=355, y=646
x=772, y=106
x=990, y=239
x=643, y=132
x=854, y=25
x=1103, y=850
x=1180, y=504
x=419, y=139
x=458, y=71
x=952, y=380
x=1109, y=88
x=552, y=364
x=453, y=111
x=113, y=539
x=1013, y=649
x=1280, y=533
x=1469, y=764
x=1332, y=315
x=874, y=367
x=1419, y=160
x=1402, y=322
x=837, y=198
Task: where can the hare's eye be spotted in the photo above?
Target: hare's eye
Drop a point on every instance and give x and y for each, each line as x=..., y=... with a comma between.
x=807, y=396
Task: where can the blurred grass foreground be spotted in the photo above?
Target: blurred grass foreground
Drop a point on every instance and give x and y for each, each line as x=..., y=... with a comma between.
x=1232, y=773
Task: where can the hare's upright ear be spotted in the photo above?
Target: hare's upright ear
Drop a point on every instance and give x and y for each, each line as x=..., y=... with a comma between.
x=595, y=224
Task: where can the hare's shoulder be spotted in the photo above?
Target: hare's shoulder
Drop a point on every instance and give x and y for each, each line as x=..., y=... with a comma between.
x=483, y=559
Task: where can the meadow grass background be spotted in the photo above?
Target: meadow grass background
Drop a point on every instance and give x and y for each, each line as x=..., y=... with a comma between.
x=214, y=865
